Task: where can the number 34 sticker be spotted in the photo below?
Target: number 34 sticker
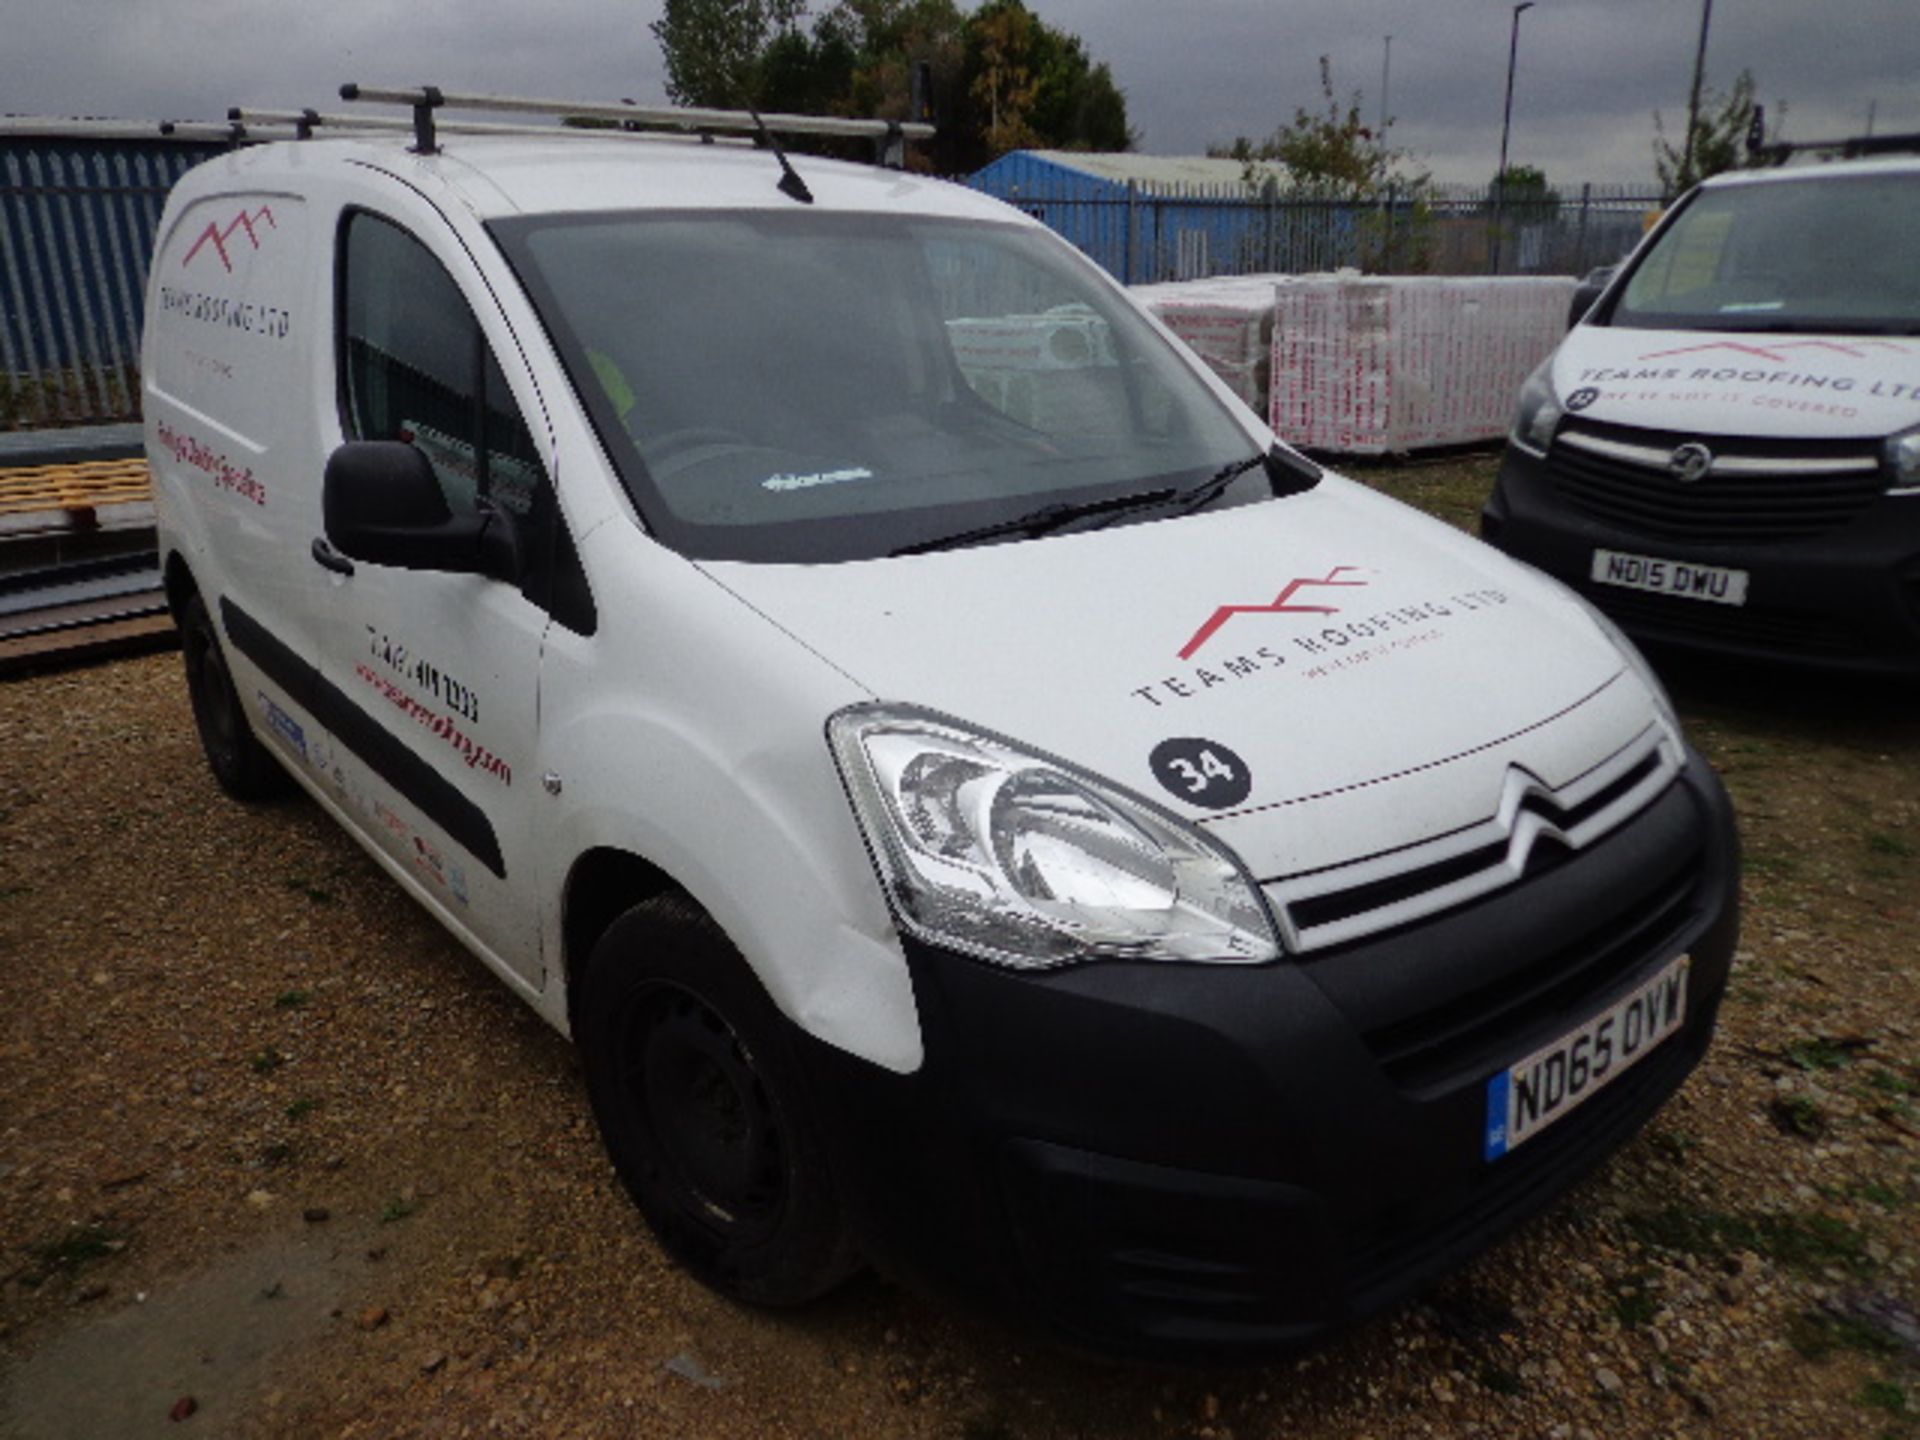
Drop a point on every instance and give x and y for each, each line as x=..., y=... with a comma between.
x=1201, y=772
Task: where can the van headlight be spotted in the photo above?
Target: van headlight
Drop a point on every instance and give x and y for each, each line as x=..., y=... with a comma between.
x=1012, y=856
x=1539, y=411
x=1903, y=459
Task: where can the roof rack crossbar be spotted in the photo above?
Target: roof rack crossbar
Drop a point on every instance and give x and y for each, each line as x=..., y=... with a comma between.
x=1861, y=144
x=673, y=117
x=320, y=122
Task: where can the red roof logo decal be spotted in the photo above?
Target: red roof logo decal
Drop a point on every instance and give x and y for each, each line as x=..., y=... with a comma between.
x=1281, y=605
x=1855, y=349
x=215, y=236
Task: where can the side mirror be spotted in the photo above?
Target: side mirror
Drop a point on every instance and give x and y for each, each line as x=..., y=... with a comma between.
x=381, y=502
x=1588, y=291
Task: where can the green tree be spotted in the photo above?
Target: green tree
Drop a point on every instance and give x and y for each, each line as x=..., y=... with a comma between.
x=1330, y=153
x=1000, y=46
x=1522, y=195
x=1719, y=138
x=1002, y=78
x=716, y=50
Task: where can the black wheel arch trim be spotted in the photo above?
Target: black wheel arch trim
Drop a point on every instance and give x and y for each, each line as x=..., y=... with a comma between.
x=464, y=822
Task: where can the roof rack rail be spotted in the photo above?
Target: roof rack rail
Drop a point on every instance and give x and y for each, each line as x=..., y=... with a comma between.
x=304, y=123
x=1848, y=149
x=55, y=127
x=888, y=135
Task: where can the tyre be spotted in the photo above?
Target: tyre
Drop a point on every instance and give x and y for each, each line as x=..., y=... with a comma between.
x=245, y=768
x=704, y=1109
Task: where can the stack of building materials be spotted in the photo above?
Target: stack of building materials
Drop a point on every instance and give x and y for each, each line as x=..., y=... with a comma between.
x=1043, y=370
x=1228, y=321
x=1372, y=365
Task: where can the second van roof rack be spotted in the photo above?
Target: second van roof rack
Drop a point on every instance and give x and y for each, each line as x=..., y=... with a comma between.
x=1849, y=149
x=888, y=135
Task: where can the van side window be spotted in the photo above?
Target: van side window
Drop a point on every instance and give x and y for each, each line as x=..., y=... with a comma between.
x=415, y=366
x=418, y=369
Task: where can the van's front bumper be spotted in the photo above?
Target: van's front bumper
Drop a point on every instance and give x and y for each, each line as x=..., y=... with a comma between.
x=1187, y=1158
x=1846, y=600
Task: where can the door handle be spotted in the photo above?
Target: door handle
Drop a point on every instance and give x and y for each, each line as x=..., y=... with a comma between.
x=329, y=558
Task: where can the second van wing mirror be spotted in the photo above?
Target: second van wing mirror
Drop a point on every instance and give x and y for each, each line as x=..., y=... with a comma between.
x=1588, y=291
x=381, y=502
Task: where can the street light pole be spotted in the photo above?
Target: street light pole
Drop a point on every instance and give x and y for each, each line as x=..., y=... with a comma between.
x=1506, y=129
x=1693, y=96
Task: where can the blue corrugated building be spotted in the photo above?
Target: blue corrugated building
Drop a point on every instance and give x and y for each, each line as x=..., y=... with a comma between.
x=79, y=204
x=1158, y=217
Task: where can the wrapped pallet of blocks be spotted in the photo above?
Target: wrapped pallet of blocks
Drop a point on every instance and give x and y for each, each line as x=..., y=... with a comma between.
x=1044, y=370
x=1228, y=322
x=1372, y=365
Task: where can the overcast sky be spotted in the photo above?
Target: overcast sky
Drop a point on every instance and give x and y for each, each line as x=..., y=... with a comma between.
x=1591, y=73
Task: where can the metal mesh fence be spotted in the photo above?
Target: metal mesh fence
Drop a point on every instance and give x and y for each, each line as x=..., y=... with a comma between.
x=1190, y=232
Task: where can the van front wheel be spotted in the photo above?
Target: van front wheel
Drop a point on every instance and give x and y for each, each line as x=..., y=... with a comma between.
x=704, y=1110
x=245, y=768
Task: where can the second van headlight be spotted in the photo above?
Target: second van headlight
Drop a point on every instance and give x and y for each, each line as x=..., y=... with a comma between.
x=1538, y=412
x=1015, y=857
x=1903, y=458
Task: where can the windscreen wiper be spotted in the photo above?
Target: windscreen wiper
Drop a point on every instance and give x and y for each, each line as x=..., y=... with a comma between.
x=1196, y=497
x=1040, y=522
x=1289, y=474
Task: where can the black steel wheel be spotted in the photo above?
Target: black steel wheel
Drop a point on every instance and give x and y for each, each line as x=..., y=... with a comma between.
x=704, y=1109
x=245, y=768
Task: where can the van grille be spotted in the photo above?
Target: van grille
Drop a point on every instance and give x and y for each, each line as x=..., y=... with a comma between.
x=1438, y=1045
x=1758, y=490
x=1788, y=632
x=1532, y=829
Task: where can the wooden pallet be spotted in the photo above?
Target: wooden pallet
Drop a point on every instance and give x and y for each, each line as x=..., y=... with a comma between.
x=73, y=489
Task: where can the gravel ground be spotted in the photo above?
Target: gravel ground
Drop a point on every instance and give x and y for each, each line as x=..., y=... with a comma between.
x=277, y=1158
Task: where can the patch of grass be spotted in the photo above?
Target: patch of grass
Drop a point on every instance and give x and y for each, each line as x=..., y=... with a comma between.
x=1883, y=1395
x=300, y=885
x=1761, y=865
x=1889, y=1196
x=1815, y=1334
x=1808, y=1243
x=267, y=1061
x=303, y=1107
x=276, y=1153
x=66, y=1254
x=395, y=1209
x=1633, y=1303
x=1673, y=1145
x=291, y=999
x=1898, y=847
x=15, y=892
x=1797, y=1115
x=1823, y=1052
x=1891, y=1082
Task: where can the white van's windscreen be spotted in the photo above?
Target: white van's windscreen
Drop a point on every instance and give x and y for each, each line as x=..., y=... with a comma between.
x=1823, y=255
x=803, y=386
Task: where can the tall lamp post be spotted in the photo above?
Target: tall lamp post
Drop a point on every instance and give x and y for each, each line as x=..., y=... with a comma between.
x=1506, y=129
x=1687, y=177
